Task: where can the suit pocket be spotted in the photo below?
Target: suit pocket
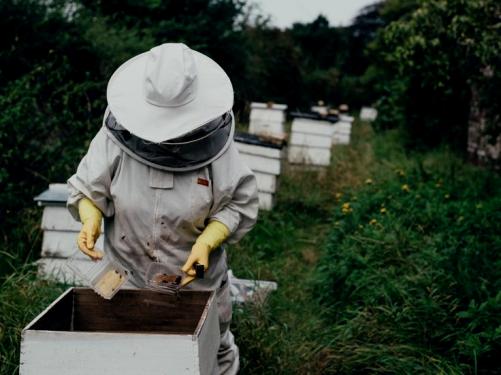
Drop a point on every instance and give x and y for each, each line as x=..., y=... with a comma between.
x=161, y=179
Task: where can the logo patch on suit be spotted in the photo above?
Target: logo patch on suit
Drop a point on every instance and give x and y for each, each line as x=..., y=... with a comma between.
x=203, y=181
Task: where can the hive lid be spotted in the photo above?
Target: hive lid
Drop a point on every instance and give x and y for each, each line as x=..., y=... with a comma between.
x=346, y=118
x=269, y=105
x=257, y=140
x=315, y=116
x=55, y=194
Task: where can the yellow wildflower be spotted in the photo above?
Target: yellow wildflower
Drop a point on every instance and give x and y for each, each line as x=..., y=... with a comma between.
x=369, y=181
x=373, y=222
x=405, y=188
x=400, y=172
x=345, y=208
x=383, y=210
x=338, y=196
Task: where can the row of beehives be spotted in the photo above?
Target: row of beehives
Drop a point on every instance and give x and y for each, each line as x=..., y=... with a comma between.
x=268, y=120
x=310, y=142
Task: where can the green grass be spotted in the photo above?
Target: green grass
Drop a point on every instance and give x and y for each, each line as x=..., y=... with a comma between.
x=416, y=291
x=22, y=297
x=411, y=276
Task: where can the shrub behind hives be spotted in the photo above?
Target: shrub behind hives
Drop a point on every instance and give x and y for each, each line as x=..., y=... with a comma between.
x=411, y=277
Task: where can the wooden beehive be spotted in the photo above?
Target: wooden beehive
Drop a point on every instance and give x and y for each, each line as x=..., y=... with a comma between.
x=342, y=130
x=322, y=110
x=137, y=332
x=60, y=233
x=267, y=119
x=368, y=114
x=265, y=160
x=310, y=141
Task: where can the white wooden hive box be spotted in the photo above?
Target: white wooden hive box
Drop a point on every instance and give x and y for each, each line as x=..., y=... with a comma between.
x=267, y=119
x=368, y=114
x=60, y=232
x=261, y=159
x=265, y=161
x=309, y=155
x=311, y=126
x=137, y=332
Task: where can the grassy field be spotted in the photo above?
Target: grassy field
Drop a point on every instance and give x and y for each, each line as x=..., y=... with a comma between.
x=388, y=262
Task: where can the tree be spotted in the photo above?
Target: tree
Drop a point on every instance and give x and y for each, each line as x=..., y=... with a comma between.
x=435, y=54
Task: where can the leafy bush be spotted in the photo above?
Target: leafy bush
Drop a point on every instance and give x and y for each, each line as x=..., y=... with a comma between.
x=434, y=53
x=412, y=272
x=45, y=130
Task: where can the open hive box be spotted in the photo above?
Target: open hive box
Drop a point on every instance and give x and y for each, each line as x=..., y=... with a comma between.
x=137, y=332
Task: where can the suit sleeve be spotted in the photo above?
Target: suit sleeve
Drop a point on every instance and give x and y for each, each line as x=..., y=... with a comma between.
x=94, y=175
x=235, y=194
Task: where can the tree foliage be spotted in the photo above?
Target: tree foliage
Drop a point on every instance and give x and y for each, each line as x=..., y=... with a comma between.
x=431, y=56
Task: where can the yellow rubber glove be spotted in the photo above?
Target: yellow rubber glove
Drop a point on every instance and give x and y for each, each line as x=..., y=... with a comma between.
x=213, y=235
x=91, y=218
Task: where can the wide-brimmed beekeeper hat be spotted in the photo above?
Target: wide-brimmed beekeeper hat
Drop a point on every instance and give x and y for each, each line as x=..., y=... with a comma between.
x=168, y=92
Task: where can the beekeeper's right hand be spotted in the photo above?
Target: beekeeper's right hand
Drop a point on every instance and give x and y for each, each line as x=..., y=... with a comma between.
x=91, y=218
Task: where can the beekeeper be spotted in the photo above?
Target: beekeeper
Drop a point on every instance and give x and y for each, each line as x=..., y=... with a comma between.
x=164, y=173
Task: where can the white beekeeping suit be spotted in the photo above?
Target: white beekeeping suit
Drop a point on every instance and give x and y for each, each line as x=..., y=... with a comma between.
x=164, y=165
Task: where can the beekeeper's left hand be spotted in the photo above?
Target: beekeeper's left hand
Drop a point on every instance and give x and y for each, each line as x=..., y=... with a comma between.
x=213, y=235
x=91, y=218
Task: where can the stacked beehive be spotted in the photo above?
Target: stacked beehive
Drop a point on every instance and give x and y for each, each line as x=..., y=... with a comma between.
x=267, y=119
x=264, y=158
x=321, y=109
x=368, y=114
x=310, y=141
x=60, y=233
x=342, y=130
